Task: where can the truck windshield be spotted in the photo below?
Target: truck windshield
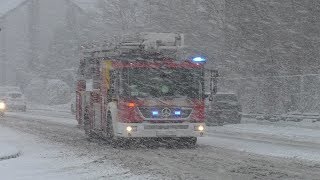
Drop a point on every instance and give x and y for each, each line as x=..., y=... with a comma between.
x=165, y=82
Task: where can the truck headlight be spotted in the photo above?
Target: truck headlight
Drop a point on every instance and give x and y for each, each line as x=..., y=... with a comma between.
x=199, y=128
x=2, y=106
x=131, y=128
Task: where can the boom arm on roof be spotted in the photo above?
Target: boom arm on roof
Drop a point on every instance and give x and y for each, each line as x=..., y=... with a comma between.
x=137, y=45
x=140, y=46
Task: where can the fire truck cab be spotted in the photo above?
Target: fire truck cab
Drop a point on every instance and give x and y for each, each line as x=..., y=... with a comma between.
x=138, y=88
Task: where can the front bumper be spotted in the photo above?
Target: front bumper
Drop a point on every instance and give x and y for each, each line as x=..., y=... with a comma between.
x=159, y=130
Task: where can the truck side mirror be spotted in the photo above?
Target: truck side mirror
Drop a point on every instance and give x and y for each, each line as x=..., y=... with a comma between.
x=211, y=98
x=206, y=95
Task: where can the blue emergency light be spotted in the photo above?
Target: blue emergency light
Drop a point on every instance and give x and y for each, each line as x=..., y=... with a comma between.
x=177, y=113
x=155, y=113
x=199, y=60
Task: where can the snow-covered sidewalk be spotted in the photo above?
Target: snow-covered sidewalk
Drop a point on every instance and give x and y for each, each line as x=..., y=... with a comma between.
x=44, y=160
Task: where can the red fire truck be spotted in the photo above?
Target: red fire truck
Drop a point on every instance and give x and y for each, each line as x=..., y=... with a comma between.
x=137, y=88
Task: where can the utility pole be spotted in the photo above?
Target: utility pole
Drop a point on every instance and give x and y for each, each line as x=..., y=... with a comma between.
x=34, y=7
x=3, y=56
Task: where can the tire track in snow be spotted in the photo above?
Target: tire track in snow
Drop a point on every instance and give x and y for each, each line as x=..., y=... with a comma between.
x=203, y=162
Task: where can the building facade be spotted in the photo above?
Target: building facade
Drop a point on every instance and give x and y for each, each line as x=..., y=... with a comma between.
x=31, y=30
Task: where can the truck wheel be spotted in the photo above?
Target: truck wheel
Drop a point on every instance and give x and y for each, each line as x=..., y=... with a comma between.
x=86, y=121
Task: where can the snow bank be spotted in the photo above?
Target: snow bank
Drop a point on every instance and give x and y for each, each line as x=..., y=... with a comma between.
x=56, y=108
x=273, y=131
x=306, y=123
x=263, y=148
x=50, y=116
x=8, y=148
x=267, y=139
x=8, y=151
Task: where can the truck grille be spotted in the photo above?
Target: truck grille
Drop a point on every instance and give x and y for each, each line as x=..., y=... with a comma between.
x=166, y=127
x=165, y=113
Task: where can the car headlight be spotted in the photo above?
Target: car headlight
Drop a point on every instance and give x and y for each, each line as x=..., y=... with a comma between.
x=2, y=106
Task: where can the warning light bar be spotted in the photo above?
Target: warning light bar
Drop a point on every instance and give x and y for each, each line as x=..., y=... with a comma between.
x=199, y=60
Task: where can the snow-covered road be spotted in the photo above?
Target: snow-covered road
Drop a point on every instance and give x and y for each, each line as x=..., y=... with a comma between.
x=289, y=142
x=228, y=152
x=43, y=160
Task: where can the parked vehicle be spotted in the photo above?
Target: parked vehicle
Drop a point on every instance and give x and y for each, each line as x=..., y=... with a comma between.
x=225, y=108
x=14, y=98
x=136, y=91
x=2, y=108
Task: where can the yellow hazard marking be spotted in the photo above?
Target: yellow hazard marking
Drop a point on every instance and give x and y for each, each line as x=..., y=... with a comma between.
x=108, y=69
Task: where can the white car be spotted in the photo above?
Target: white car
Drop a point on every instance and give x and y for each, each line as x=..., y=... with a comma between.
x=16, y=101
x=2, y=108
x=14, y=98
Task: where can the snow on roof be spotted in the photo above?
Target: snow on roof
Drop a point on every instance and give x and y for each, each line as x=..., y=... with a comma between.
x=8, y=5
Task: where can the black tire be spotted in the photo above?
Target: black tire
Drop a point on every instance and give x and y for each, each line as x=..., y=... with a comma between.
x=86, y=121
